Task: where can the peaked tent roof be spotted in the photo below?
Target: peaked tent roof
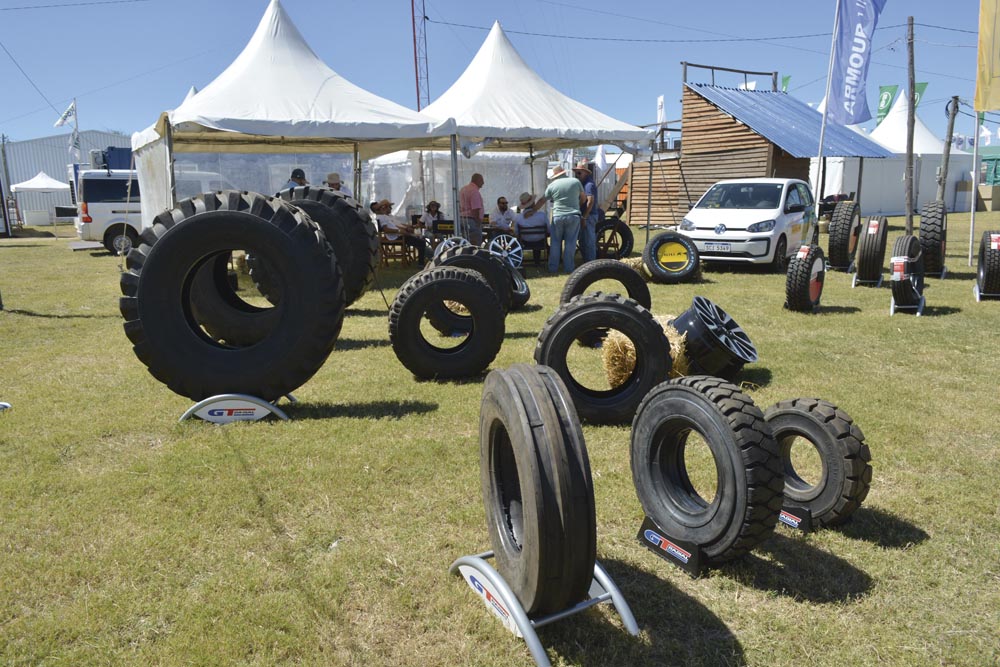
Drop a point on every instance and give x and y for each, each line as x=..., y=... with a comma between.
x=789, y=123
x=42, y=182
x=891, y=132
x=279, y=88
x=529, y=110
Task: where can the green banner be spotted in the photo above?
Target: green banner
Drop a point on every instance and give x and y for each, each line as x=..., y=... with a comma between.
x=885, y=96
x=784, y=83
x=918, y=91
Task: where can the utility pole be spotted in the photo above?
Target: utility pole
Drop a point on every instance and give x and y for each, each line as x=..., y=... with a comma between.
x=420, y=53
x=909, y=125
x=942, y=179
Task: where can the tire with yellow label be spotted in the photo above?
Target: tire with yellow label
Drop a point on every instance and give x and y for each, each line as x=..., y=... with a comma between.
x=671, y=258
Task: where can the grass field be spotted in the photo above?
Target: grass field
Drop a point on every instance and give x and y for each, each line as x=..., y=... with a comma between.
x=129, y=539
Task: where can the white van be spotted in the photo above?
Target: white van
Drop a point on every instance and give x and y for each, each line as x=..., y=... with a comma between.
x=108, y=203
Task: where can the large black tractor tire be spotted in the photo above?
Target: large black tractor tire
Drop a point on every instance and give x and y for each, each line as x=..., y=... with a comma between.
x=537, y=488
x=715, y=344
x=906, y=291
x=444, y=318
x=749, y=483
x=845, y=230
x=614, y=239
x=988, y=264
x=428, y=289
x=804, y=283
x=260, y=275
x=934, y=235
x=157, y=303
x=607, y=269
x=348, y=229
x=671, y=258
x=222, y=313
x=586, y=313
x=846, y=460
x=871, y=249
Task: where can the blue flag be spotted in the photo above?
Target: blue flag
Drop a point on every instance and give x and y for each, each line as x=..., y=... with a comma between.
x=848, y=103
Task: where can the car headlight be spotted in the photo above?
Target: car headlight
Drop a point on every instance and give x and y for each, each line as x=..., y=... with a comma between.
x=687, y=225
x=765, y=226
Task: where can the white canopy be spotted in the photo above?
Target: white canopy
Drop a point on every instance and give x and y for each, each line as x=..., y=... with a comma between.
x=500, y=97
x=42, y=182
x=891, y=132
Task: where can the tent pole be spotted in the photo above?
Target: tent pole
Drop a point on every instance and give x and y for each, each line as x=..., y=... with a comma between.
x=975, y=188
x=649, y=192
x=459, y=228
x=826, y=98
x=531, y=171
x=356, y=169
x=171, y=179
x=861, y=169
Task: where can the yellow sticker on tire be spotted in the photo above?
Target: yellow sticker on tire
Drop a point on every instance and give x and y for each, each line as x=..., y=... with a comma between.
x=673, y=256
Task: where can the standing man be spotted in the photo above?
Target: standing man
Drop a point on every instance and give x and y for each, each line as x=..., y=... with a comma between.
x=297, y=178
x=566, y=195
x=333, y=182
x=470, y=206
x=588, y=212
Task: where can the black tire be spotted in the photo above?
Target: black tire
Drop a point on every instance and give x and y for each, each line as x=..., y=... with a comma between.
x=779, y=263
x=157, y=301
x=749, y=480
x=493, y=271
x=537, y=488
x=871, y=249
x=429, y=288
x=348, y=229
x=934, y=235
x=846, y=460
x=607, y=269
x=907, y=291
x=671, y=258
x=715, y=344
x=806, y=275
x=988, y=265
x=845, y=230
x=614, y=239
x=520, y=290
x=585, y=313
x=223, y=314
x=119, y=239
x=260, y=274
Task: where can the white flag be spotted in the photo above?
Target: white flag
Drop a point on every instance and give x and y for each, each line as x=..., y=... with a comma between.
x=984, y=135
x=750, y=85
x=661, y=113
x=74, y=145
x=66, y=115
x=600, y=162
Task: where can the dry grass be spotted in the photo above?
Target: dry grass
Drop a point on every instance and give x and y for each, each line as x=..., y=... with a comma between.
x=618, y=353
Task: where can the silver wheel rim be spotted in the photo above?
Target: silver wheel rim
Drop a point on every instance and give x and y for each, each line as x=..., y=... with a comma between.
x=449, y=243
x=508, y=248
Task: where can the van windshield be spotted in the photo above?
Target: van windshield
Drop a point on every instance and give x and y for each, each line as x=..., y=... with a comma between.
x=96, y=190
x=742, y=195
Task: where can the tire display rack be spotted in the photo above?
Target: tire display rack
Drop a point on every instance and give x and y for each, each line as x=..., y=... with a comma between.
x=907, y=276
x=987, y=285
x=228, y=408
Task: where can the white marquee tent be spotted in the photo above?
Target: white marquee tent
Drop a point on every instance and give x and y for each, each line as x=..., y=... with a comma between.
x=42, y=182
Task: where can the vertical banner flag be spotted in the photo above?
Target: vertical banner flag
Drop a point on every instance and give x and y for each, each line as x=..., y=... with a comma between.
x=988, y=61
x=984, y=136
x=784, y=83
x=74, y=146
x=848, y=104
x=66, y=115
x=886, y=94
x=918, y=92
x=661, y=113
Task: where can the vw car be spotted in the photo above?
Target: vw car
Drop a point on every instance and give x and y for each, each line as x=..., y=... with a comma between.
x=752, y=220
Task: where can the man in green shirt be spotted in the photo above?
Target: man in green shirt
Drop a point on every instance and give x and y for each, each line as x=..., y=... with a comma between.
x=566, y=196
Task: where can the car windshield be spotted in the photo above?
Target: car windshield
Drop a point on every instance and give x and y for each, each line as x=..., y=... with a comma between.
x=742, y=195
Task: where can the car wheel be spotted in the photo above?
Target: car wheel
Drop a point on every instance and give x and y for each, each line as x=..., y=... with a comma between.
x=780, y=262
x=120, y=239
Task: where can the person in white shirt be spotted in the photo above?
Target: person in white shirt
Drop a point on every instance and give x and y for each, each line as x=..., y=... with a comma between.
x=531, y=225
x=333, y=181
x=395, y=228
x=502, y=217
x=433, y=214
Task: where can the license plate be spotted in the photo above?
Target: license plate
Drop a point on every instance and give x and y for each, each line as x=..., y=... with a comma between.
x=717, y=247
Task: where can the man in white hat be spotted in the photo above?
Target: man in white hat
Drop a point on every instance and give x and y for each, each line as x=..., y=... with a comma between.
x=333, y=181
x=566, y=195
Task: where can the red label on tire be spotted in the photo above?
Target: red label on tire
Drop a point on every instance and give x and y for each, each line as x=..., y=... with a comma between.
x=899, y=271
x=803, y=251
x=873, y=226
x=994, y=241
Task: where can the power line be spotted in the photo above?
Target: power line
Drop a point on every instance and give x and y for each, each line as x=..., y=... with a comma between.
x=74, y=4
x=33, y=85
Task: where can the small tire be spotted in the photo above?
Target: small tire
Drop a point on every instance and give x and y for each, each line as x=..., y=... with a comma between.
x=871, y=249
x=429, y=288
x=779, y=263
x=846, y=460
x=749, y=480
x=537, y=488
x=907, y=287
x=933, y=235
x=670, y=258
x=845, y=230
x=586, y=313
x=614, y=239
x=222, y=313
x=804, y=283
x=607, y=269
x=520, y=290
x=119, y=239
x=988, y=264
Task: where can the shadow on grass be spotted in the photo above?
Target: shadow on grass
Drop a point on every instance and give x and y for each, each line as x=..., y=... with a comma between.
x=521, y=334
x=756, y=376
x=956, y=275
x=838, y=310
x=936, y=311
x=527, y=308
x=366, y=312
x=373, y=410
x=31, y=313
x=799, y=570
x=676, y=628
x=882, y=529
x=344, y=344
x=21, y=245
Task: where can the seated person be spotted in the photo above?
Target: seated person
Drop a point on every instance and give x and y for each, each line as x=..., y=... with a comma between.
x=395, y=228
x=502, y=217
x=433, y=213
x=531, y=225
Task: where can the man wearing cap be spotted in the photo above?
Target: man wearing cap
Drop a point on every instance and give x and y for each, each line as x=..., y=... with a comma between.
x=470, y=207
x=333, y=181
x=297, y=178
x=394, y=228
x=531, y=226
x=566, y=195
x=588, y=212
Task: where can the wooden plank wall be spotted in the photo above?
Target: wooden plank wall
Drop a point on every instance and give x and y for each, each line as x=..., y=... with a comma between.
x=707, y=129
x=786, y=166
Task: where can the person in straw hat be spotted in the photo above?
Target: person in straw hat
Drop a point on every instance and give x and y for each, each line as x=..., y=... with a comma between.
x=395, y=228
x=333, y=181
x=566, y=196
x=588, y=212
x=531, y=226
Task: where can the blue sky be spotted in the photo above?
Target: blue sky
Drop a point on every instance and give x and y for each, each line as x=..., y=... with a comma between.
x=127, y=62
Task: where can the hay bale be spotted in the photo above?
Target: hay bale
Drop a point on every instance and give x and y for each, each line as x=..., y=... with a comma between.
x=618, y=353
x=637, y=264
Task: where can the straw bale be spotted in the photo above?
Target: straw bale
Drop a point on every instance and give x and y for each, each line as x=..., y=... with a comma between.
x=618, y=353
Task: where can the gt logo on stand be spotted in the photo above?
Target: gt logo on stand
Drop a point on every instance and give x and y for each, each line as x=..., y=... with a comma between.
x=232, y=412
x=663, y=543
x=489, y=597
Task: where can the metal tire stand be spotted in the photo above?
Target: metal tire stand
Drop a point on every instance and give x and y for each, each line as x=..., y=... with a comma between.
x=4, y=406
x=919, y=307
x=855, y=281
x=226, y=408
x=500, y=599
x=982, y=295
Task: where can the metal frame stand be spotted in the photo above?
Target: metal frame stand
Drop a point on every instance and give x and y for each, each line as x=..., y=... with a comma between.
x=900, y=272
x=919, y=307
x=982, y=295
x=4, y=406
x=226, y=408
x=855, y=281
x=501, y=601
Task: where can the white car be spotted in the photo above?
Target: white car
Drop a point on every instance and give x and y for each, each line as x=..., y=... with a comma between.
x=752, y=220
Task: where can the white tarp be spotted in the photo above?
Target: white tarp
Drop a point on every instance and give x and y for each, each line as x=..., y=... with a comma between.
x=42, y=182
